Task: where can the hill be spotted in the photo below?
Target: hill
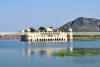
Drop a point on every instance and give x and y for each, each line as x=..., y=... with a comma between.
x=83, y=24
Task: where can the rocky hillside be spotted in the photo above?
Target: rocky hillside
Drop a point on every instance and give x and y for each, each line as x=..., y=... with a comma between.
x=83, y=24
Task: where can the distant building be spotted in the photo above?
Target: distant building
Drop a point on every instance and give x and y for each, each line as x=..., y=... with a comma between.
x=46, y=36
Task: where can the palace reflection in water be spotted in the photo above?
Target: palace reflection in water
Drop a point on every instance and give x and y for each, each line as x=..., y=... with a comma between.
x=58, y=49
x=46, y=48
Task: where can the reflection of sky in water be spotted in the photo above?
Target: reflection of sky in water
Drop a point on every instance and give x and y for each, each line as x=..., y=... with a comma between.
x=47, y=47
x=88, y=55
x=14, y=53
x=59, y=47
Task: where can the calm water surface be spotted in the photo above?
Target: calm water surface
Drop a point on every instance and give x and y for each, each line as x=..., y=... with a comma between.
x=14, y=53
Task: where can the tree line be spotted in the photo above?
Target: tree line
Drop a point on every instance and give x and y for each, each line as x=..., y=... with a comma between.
x=41, y=29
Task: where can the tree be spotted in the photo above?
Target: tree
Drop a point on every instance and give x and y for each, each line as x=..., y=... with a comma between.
x=51, y=27
x=32, y=29
x=42, y=29
x=62, y=29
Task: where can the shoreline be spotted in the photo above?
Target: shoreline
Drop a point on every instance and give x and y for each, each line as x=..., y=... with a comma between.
x=86, y=38
x=74, y=38
x=9, y=37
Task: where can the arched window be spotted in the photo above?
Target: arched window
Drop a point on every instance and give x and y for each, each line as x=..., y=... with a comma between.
x=57, y=39
x=62, y=39
x=37, y=39
x=44, y=39
x=53, y=39
x=40, y=39
x=48, y=39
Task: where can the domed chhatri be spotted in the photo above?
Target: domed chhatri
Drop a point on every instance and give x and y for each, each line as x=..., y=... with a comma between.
x=70, y=29
x=49, y=30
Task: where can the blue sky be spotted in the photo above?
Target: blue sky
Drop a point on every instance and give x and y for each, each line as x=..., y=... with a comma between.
x=20, y=14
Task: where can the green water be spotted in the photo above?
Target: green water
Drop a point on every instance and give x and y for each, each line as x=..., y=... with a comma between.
x=14, y=53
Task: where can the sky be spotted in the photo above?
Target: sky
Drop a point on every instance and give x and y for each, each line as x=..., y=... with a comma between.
x=16, y=15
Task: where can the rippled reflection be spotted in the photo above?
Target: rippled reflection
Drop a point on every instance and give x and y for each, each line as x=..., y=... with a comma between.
x=58, y=49
x=63, y=50
x=44, y=48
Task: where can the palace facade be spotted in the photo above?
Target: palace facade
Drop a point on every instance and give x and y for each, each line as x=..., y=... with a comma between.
x=47, y=36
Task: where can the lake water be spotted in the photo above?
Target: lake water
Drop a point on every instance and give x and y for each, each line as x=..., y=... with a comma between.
x=14, y=53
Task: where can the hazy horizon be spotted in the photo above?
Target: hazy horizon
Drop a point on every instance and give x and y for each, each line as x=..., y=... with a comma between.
x=16, y=15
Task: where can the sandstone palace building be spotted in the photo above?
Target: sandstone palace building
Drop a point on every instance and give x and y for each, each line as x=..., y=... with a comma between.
x=47, y=36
